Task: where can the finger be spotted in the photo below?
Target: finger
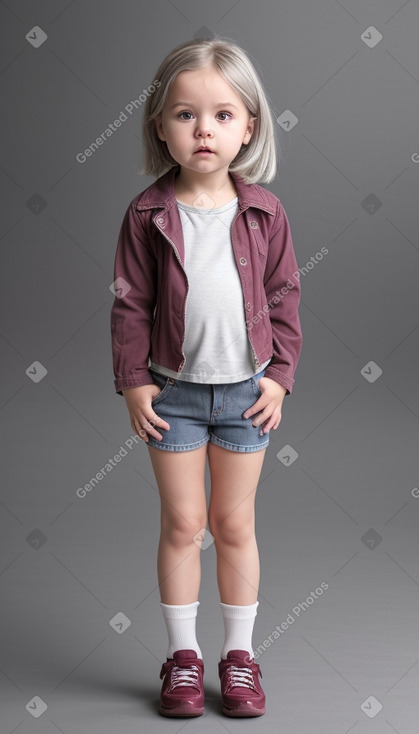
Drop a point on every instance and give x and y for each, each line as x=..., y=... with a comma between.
x=273, y=422
x=149, y=426
x=268, y=413
x=160, y=422
x=146, y=426
x=141, y=432
x=255, y=408
x=264, y=412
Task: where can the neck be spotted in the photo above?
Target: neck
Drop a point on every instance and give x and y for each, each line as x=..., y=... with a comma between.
x=217, y=184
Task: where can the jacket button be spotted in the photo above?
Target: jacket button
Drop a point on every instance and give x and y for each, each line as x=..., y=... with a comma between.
x=248, y=306
x=243, y=261
x=254, y=225
x=160, y=220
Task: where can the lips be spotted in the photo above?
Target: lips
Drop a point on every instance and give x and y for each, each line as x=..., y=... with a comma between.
x=203, y=149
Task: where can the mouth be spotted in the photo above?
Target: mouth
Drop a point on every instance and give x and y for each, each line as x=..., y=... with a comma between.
x=204, y=150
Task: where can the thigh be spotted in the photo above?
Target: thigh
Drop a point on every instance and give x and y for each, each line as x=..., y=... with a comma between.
x=180, y=478
x=234, y=481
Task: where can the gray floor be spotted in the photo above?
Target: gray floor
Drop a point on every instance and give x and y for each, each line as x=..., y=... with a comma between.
x=338, y=546
x=82, y=637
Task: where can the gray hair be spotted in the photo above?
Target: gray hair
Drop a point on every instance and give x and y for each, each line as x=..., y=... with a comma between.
x=256, y=161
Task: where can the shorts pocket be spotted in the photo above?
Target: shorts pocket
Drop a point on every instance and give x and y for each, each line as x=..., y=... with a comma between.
x=166, y=383
x=255, y=382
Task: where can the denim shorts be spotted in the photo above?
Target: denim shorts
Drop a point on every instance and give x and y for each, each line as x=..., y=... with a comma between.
x=202, y=412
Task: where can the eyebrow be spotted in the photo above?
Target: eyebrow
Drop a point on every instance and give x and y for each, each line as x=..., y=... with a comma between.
x=189, y=104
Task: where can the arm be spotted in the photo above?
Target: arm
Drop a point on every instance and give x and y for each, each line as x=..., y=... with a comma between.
x=133, y=308
x=283, y=294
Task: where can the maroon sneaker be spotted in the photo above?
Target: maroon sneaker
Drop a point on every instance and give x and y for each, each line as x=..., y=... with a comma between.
x=182, y=692
x=241, y=692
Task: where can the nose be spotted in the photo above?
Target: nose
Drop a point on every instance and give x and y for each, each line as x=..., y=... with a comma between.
x=203, y=130
x=205, y=133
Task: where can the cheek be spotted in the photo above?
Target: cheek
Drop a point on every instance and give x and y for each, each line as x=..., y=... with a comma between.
x=179, y=134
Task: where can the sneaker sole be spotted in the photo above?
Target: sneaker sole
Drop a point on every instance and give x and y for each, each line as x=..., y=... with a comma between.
x=184, y=709
x=243, y=711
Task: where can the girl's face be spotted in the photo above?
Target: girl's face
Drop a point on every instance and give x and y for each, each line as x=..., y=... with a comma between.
x=203, y=109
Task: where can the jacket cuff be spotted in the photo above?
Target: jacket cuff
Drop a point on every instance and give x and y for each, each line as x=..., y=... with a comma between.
x=142, y=377
x=275, y=374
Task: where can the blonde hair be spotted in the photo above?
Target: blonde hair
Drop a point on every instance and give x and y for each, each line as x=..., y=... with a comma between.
x=256, y=161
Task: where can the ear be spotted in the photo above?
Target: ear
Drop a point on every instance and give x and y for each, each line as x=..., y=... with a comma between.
x=159, y=127
x=249, y=130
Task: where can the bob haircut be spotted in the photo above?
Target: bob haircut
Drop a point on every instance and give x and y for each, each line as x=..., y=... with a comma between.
x=256, y=161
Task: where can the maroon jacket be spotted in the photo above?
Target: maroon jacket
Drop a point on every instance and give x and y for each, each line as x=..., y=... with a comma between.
x=148, y=313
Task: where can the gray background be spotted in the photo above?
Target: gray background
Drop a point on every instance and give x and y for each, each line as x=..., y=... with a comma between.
x=345, y=512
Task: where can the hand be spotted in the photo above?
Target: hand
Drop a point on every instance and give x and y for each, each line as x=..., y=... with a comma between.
x=142, y=415
x=270, y=403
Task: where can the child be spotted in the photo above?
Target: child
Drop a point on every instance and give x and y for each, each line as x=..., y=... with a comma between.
x=207, y=287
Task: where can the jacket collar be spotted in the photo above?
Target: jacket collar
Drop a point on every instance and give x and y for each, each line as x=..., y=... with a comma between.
x=160, y=194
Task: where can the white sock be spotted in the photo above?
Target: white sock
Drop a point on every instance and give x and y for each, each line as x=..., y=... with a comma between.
x=181, y=622
x=238, y=627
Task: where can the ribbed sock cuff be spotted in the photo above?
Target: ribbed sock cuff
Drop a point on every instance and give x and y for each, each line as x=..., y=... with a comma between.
x=233, y=611
x=180, y=611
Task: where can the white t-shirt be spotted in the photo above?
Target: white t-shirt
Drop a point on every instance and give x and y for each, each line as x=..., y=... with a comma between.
x=216, y=346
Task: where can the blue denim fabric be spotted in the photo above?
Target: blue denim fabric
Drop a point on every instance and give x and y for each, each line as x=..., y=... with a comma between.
x=200, y=412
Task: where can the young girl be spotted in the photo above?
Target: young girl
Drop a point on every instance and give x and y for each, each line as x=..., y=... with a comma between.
x=207, y=288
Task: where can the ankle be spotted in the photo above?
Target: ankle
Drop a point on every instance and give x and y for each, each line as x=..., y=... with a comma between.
x=239, y=621
x=181, y=623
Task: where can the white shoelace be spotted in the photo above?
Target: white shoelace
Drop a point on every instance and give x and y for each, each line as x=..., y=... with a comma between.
x=240, y=677
x=184, y=676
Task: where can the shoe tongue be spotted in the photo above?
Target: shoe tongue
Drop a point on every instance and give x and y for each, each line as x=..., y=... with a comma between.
x=180, y=655
x=239, y=654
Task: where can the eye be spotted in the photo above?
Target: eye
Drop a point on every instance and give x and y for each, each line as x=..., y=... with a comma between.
x=185, y=112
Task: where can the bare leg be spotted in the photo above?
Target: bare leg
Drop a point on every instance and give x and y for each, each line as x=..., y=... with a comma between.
x=180, y=476
x=231, y=512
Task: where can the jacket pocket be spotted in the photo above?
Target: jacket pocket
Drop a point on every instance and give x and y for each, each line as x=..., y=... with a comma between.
x=261, y=244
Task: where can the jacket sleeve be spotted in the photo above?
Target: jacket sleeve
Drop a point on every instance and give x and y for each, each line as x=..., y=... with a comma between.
x=283, y=292
x=132, y=312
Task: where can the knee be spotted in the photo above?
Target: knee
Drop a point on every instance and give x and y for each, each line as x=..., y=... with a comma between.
x=233, y=530
x=181, y=529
